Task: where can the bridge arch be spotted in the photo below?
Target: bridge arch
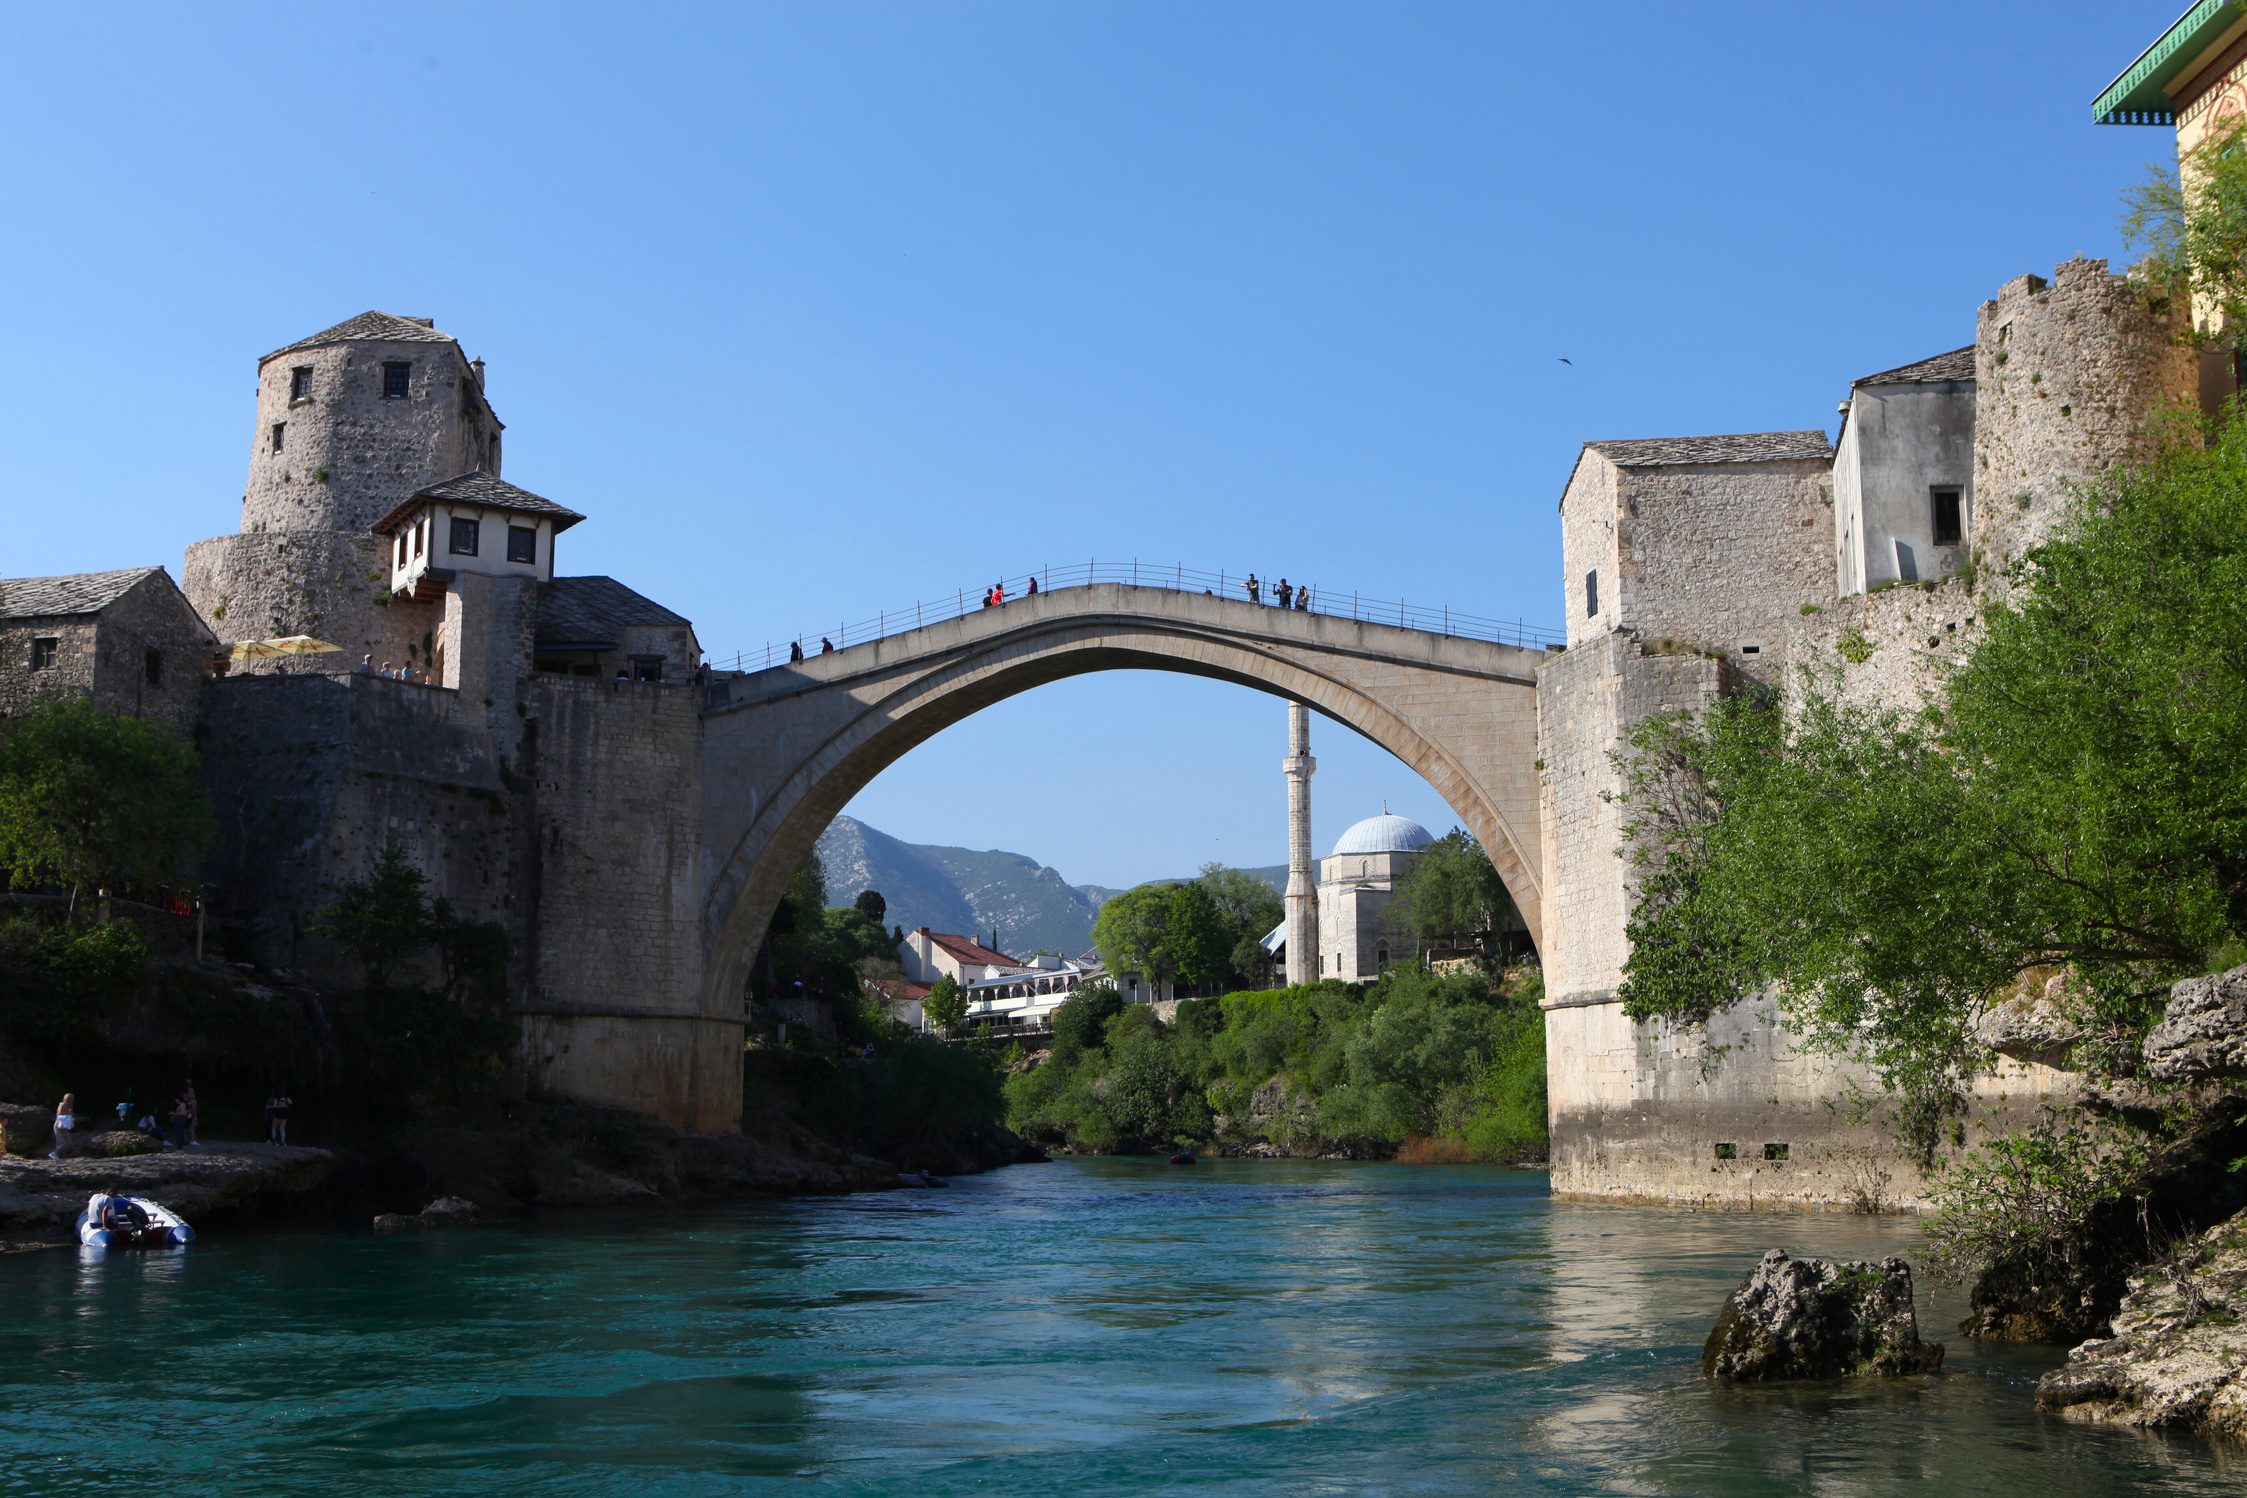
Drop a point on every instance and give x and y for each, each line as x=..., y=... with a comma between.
x=785, y=749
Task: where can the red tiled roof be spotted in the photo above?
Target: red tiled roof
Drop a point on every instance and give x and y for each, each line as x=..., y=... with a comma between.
x=900, y=988
x=968, y=949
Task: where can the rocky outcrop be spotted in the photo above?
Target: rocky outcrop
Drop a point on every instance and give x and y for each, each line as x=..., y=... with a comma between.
x=2039, y=1026
x=2203, y=1032
x=444, y=1212
x=40, y=1197
x=1818, y=1318
x=1282, y=1122
x=2178, y=1356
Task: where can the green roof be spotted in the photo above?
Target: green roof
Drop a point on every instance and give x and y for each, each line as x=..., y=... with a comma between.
x=2141, y=95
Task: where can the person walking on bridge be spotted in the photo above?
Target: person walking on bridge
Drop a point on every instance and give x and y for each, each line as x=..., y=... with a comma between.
x=998, y=594
x=1254, y=589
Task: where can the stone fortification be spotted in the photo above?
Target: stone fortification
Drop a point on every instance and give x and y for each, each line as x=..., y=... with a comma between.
x=617, y=996
x=1588, y=699
x=350, y=422
x=2069, y=377
x=2072, y=375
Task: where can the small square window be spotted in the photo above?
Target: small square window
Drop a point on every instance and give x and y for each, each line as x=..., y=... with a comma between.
x=1774, y=1152
x=647, y=668
x=1727, y=1150
x=152, y=668
x=394, y=377
x=300, y=384
x=1948, y=517
x=43, y=654
x=522, y=544
x=464, y=538
x=279, y=427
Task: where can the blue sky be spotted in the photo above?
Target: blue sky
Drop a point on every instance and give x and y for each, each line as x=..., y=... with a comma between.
x=815, y=309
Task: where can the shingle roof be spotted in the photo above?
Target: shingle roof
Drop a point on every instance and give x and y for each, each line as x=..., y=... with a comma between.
x=477, y=487
x=79, y=593
x=1958, y=364
x=587, y=612
x=968, y=949
x=369, y=327
x=1742, y=447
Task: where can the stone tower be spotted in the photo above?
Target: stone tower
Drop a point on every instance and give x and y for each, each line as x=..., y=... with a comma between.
x=2072, y=376
x=350, y=422
x=1302, y=885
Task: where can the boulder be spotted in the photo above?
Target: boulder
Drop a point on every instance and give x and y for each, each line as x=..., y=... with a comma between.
x=1818, y=1318
x=2178, y=1358
x=2038, y=1027
x=2203, y=1031
x=444, y=1212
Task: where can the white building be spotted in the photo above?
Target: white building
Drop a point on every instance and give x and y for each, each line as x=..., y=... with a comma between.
x=1356, y=883
x=1026, y=998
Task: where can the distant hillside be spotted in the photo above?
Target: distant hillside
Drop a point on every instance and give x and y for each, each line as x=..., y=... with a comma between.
x=962, y=890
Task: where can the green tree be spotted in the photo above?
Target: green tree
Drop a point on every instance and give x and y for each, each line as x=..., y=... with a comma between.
x=1250, y=908
x=1450, y=890
x=93, y=800
x=946, y=1004
x=875, y=907
x=1196, y=944
x=384, y=920
x=1130, y=929
x=2075, y=801
x=1080, y=1023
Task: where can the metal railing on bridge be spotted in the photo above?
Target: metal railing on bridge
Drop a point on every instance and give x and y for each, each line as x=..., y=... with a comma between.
x=1178, y=578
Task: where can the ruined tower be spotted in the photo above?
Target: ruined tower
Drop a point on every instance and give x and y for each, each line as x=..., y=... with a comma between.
x=1302, y=886
x=350, y=422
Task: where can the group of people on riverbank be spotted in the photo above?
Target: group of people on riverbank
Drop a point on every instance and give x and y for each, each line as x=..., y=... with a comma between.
x=1285, y=594
x=184, y=1120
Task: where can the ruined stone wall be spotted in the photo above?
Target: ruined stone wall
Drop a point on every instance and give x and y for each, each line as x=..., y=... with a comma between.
x=2071, y=376
x=348, y=454
x=1722, y=556
x=616, y=993
x=331, y=585
x=104, y=657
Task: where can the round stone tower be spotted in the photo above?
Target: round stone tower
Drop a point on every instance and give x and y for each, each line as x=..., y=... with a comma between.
x=350, y=422
x=2071, y=377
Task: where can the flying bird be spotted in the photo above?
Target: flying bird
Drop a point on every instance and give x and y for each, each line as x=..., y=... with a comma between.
x=1571, y=363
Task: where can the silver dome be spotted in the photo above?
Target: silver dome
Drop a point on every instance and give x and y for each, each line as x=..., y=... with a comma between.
x=1384, y=834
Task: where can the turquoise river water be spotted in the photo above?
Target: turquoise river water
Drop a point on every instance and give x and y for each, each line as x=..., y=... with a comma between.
x=1085, y=1327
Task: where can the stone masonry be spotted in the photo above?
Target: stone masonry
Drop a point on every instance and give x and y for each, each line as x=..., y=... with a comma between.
x=129, y=641
x=2073, y=375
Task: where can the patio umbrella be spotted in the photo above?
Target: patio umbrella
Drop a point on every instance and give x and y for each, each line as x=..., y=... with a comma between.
x=258, y=650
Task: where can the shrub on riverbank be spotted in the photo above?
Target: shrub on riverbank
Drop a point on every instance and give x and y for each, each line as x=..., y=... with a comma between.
x=1456, y=1063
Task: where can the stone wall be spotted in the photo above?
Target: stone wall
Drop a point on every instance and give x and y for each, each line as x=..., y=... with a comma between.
x=2071, y=376
x=349, y=455
x=1900, y=441
x=1587, y=699
x=310, y=776
x=1588, y=540
x=1890, y=648
x=616, y=994
x=1721, y=556
x=1640, y=1110
x=326, y=584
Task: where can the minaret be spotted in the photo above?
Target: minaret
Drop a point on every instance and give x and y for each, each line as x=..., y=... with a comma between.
x=1302, y=887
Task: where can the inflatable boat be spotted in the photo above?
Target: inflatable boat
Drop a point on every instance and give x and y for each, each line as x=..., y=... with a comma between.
x=130, y=1222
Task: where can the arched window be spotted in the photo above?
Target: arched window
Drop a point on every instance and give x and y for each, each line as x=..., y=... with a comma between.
x=1381, y=954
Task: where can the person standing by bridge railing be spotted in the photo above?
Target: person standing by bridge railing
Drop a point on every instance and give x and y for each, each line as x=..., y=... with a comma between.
x=1254, y=589
x=1284, y=593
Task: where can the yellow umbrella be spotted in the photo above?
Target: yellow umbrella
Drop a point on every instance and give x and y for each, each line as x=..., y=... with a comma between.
x=258, y=650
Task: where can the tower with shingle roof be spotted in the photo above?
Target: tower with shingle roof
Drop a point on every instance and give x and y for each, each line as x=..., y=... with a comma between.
x=351, y=423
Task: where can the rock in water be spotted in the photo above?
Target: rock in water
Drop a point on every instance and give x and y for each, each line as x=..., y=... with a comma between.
x=1816, y=1318
x=450, y=1209
x=2179, y=1356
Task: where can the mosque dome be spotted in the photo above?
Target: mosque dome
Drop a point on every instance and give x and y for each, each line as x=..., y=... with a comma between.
x=1384, y=834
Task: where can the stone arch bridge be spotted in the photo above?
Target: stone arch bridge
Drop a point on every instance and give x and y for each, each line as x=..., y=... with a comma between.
x=786, y=748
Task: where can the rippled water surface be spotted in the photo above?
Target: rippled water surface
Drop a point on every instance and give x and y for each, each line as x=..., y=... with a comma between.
x=1086, y=1327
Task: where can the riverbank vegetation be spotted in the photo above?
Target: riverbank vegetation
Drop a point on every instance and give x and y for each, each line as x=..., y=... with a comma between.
x=1434, y=1066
